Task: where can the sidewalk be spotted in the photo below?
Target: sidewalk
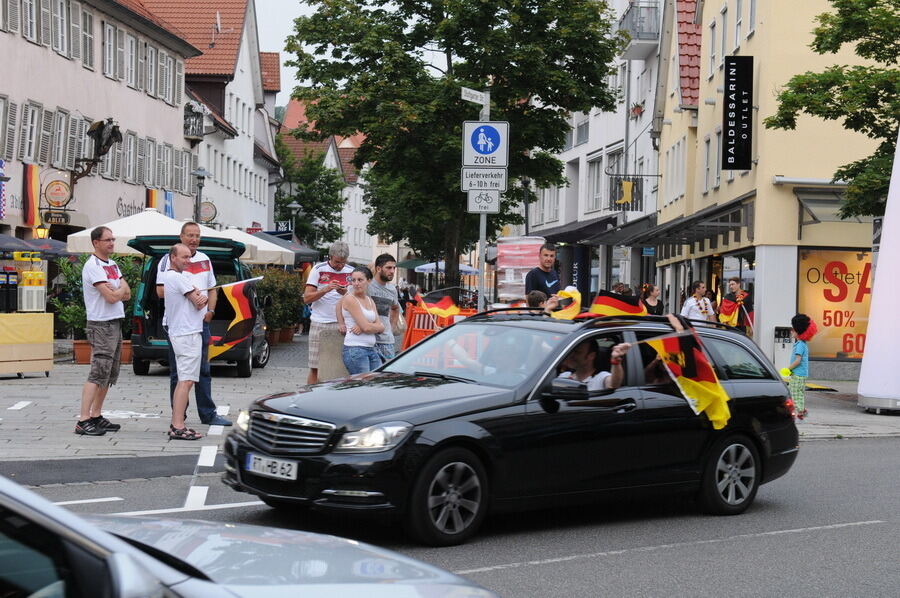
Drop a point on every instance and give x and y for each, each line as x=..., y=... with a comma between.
x=37, y=414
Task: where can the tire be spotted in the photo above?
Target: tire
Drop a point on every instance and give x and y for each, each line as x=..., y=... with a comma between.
x=245, y=366
x=731, y=476
x=449, y=499
x=261, y=359
x=141, y=367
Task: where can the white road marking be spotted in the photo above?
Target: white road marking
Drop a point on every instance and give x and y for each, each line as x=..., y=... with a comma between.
x=215, y=430
x=185, y=509
x=223, y=410
x=89, y=500
x=208, y=456
x=594, y=555
x=196, y=497
x=19, y=405
x=129, y=415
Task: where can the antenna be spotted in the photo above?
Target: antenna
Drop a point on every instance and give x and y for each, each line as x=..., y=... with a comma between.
x=218, y=22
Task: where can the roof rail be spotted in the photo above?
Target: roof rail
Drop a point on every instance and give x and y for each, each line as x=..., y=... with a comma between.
x=525, y=311
x=659, y=319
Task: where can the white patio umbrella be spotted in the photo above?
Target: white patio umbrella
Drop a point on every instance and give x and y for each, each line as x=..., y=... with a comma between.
x=428, y=268
x=148, y=222
x=266, y=252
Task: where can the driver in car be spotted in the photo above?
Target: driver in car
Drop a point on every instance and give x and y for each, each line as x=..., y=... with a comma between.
x=585, y=364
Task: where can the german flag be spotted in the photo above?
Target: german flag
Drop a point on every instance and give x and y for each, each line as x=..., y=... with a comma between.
x=570, y=304
x=614, y=304
x=31, y=195
x=443, y=308
x=240, y=296
x=152, y=199
x=729, y=312
x=682, y=355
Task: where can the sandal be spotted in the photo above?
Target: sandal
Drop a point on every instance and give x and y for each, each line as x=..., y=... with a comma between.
x=183, y=434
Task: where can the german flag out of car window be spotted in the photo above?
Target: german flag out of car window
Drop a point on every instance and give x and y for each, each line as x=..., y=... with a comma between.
x=614, y=304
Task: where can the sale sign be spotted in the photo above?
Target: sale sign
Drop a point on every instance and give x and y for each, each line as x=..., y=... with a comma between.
x=835, y=287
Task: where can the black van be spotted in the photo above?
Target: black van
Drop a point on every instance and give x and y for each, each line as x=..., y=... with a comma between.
x=148, y=339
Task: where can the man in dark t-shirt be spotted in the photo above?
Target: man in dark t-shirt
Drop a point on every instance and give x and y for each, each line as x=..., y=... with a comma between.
x=544, y=278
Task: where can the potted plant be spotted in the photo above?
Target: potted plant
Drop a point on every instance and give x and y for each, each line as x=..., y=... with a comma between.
x=286, y=292
x=636, y=110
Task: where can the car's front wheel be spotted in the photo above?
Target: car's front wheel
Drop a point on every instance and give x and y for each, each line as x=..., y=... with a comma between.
x=261, y=357
x=245, y=366
x=449, y=499
x=731, y=476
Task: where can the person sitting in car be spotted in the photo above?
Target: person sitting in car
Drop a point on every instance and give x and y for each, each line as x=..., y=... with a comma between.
x=584, y=364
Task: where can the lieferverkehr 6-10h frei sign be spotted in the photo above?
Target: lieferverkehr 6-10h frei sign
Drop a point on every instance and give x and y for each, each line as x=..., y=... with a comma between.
x=483, y=178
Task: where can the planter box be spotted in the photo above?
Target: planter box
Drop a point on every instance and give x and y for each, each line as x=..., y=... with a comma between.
x=82, y=352
x=272, y=336
x=286, y=335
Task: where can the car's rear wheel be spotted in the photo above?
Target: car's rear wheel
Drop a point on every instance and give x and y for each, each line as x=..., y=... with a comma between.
x=731, y=476
x=261, y=357
x=141, y=367
x=449, y=499
x=245, y=366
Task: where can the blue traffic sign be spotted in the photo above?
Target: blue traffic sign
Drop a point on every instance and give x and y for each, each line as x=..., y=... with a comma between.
x=485, y=140
x=485, y=144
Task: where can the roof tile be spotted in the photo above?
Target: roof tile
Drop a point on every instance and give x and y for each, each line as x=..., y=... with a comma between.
x=689, y=39
x=270, y=66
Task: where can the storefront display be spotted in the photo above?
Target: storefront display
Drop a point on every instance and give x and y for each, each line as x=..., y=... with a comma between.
x=834, y=289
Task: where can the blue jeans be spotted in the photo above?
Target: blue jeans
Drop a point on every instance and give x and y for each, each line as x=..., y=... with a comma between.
x=203, y=389
x=385, y=351
x=359, y=360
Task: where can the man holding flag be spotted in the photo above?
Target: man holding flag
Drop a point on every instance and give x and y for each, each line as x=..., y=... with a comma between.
x=736, y=308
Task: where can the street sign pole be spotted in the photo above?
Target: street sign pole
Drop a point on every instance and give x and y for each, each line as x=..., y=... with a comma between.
x=482, y=219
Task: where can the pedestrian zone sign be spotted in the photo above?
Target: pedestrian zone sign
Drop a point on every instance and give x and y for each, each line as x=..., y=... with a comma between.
x=485, y=144
x=484, y=201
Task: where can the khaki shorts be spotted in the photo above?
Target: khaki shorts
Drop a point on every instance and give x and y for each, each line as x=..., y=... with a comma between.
x=105, y=339
x=188, y=354
x=315, y=330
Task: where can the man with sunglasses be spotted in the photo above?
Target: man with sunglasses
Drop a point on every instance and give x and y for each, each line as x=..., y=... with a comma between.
x=105, y=293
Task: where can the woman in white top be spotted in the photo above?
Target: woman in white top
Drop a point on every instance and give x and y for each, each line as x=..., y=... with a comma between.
x=359, y=323
x=697, y=306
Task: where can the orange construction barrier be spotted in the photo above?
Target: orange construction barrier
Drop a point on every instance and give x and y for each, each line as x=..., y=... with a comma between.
x=420, y=323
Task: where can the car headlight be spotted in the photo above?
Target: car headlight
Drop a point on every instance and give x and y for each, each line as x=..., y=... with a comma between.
x=374, y=438
x=243, y=420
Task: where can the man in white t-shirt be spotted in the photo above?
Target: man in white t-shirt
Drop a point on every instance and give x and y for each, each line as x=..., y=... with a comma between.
x=697, y=306
x=581, y=365
x=105, y=292
x=185, y=306
x=326, y=284
x=200, y=271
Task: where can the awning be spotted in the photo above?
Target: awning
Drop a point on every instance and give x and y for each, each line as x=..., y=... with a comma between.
x=708, y=223
x=411, y=264
x=818, y=204
x=302, y=253
x=616, y=235
x=575, y=232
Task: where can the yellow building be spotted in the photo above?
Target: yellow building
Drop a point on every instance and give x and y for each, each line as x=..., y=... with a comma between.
x=775, y=225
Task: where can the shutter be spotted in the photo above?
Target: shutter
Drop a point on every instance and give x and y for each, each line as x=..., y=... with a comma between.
x=178, y=168
x=117, y=160
x=160, y=69
x=54, y=25
x=46, y=138
x=71, y=142
x=45, y=30
x=141, y=67
x=194, y=162
x=120, y=54
x=75, y=30
x=9, y=147
x=12, y=23
x=179, y=81
x=87, y=32
x=23, y=132
x=160, y=168
x=139, y=166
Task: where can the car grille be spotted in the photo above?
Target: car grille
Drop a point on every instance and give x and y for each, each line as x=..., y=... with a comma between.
x=286, y=434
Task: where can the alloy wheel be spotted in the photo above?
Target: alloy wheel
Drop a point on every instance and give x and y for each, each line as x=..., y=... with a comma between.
x=454, y=497
x=735, y=474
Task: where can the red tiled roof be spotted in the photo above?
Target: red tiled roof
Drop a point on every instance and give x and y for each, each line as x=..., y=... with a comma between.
x=197, y=20
x=688, y=52
x=350, y=173
x=270, y=67
x=294, y=114
x=300, y=148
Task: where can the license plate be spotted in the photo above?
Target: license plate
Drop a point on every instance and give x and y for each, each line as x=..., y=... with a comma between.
x=271, y=468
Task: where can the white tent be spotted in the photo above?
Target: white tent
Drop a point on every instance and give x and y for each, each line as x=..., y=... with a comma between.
x=148, y=222
x=428, y=268
x=266, y=252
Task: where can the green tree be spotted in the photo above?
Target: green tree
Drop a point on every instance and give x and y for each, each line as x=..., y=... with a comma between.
x=866, y=98
x=316, y=188
x=393, y=71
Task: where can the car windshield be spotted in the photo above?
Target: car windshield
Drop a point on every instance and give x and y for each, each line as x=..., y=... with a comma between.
x=485, y=353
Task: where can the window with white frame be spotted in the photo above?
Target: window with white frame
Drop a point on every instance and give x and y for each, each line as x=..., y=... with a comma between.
x=86, y=143
x=724, y=35
x=150, y=163
x=712, y=49
x=109, y=50
x=669, y=180
x=613, y=166
x=595, y=185
x=151, y=71
x=707, y=165
x=58, y=154
x=170, y=80
x=60, y=26
x=131, y=60
x=738, y=21
x=106, y=164
x=29, y=137
x=163, y=80
x=87, y=39
x=129, y=157
x=718, y=178
x=168, y=173
x=751, y=18
x=30, y=20
x=582, y=130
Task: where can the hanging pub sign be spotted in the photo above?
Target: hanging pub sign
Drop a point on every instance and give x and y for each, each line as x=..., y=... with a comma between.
x=737, y=114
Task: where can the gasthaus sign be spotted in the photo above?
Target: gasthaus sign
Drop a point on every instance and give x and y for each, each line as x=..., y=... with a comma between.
x=737, y=114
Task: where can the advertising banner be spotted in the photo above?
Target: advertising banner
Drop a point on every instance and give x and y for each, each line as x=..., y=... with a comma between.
x=737, y=114
x=835, y=287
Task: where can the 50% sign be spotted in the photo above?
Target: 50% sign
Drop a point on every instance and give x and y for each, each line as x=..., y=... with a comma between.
x=843, y=318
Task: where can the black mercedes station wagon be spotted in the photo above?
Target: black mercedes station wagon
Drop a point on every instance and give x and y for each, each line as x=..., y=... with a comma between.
x=476, y=418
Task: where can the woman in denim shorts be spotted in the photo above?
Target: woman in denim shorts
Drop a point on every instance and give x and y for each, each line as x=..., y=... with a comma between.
x=359, y=323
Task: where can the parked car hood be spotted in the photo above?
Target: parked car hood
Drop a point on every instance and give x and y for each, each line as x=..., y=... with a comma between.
x=254, y=561
x=366, y=399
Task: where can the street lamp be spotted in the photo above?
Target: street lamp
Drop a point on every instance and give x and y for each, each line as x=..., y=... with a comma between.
x=201, y=174
x=41, y=232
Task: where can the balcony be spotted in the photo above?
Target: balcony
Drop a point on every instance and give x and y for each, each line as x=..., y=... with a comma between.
x=641, y=23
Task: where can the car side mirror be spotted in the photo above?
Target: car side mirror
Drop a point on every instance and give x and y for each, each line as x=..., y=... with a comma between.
x=131, y=580
x=563, y=389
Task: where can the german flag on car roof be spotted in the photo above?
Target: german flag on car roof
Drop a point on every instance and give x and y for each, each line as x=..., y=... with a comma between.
x=442, y=308
x=614, y=304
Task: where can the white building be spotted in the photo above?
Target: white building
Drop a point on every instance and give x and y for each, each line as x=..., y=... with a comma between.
x=592, y=215
x=69, y=64
x=235, y=142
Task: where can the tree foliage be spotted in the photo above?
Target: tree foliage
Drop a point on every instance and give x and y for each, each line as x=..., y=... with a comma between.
x=393, y=71
x=316, y=188
x=865, y=98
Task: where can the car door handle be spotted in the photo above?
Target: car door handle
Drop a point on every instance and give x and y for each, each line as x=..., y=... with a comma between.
x=625, y=405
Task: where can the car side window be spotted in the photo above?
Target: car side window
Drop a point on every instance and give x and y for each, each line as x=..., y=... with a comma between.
x=736, y=361
x=32, y=560
x=653, y=368
x=600, y=347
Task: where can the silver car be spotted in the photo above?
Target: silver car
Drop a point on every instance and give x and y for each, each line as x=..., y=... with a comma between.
x=49, y=552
